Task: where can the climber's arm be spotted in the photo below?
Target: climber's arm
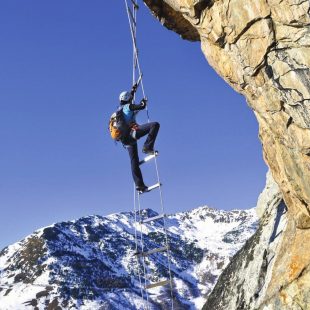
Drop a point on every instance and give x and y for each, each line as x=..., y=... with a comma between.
x=138, y=107
x=134, y=89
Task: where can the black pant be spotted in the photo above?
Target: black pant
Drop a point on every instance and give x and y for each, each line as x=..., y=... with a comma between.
x=152, y=130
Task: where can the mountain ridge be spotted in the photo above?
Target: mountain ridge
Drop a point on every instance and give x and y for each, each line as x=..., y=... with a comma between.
x=88, y=263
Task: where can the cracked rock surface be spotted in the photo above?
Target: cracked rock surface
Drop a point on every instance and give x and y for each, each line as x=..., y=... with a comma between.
x=262, y=49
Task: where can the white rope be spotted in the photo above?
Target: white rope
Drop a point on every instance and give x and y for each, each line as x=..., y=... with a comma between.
x=146, y=278
x=136, y=242
x=134, y=61
x=165, y=232
x=133, y=32
x=132, y=20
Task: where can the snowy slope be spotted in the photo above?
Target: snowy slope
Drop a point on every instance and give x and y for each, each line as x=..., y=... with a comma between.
x=90, y=263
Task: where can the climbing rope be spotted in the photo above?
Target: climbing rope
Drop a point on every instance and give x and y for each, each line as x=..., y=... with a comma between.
x=136, y=241
x=132, y=20
x=165, y=230
x=136, y=69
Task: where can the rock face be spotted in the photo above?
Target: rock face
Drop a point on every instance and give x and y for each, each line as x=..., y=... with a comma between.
x=262, y=49
x=244, y=282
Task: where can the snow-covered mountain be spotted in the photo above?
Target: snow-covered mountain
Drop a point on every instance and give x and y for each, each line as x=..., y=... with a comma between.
x=90, y=263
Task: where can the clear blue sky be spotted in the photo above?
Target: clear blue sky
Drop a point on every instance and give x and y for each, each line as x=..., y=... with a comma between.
x=62, y=67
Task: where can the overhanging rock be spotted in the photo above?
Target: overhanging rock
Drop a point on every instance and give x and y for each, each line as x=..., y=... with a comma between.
x=262, y=49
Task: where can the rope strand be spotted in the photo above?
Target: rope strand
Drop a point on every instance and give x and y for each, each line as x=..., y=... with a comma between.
x=132, y=20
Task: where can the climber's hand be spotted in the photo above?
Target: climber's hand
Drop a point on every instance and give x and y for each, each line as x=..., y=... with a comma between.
x=134, y=87
x=143, y=102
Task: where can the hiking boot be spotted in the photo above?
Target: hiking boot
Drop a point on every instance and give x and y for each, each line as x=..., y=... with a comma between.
x=142, y=188
x=148, y=151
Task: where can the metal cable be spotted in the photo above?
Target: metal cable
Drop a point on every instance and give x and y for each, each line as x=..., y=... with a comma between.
x=136, y=241
x=132, y=19
x=146, y=278
x=132, y=26
x=165, y=231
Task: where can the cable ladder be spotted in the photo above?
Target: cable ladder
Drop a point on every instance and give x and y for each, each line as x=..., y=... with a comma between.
x=141, y=252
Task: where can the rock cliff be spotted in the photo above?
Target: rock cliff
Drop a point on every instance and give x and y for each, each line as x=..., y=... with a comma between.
x=262, y=49
x=243, y=283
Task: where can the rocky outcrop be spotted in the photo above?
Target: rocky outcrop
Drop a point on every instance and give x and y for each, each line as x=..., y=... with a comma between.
x=248, y=282
x=262, y=49
x=244, y=282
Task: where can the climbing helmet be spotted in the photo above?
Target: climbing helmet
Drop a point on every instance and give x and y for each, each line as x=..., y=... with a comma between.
x=125, y=96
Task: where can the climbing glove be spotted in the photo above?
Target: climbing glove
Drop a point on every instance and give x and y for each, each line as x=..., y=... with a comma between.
x=143, y=102
x=134, y=88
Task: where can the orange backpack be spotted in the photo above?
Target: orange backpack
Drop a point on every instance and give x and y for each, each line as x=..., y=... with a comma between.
x=118, y=127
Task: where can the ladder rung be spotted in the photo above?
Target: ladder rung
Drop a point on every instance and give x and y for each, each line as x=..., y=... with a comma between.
x=154, y=218
x=147, y=158
x=162, y=249
x=153, y=187
x=161, y=283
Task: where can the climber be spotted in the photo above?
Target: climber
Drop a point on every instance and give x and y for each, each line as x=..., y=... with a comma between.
x=130, y=111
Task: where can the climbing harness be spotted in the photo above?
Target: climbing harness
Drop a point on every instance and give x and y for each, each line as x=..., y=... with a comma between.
x=142, y=252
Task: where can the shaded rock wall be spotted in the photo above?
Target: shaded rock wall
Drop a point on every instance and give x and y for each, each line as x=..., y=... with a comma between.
x=262, y=49
x=244, y=282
